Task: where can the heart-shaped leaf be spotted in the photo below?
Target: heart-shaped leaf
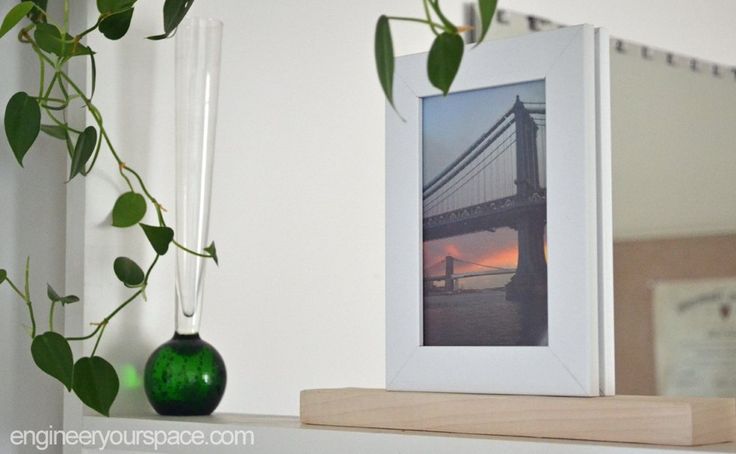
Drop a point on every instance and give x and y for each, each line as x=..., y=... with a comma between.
x=22, y=124
x=128, y=272
x=96, y=383
x=174, y=13
x=212, y=250
x=52, y=354
x=486, y=8
x=3, y=275
x=15, y=15
x=83, y=150
x=64, y=300
x=48, y=37
x=129, y=209
x=159, y=237
x=116, y=26
x=444, y=60
x=55, y=131
x=384, y=52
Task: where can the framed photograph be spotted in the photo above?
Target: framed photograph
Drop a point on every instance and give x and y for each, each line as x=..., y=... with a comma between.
x=498, y=225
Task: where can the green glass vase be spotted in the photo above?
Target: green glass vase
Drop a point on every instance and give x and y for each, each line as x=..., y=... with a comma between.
x=186, y=375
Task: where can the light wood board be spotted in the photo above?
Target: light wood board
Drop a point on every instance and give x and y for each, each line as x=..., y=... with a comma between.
x=634, y=419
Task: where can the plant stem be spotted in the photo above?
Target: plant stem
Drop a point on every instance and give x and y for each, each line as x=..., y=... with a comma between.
x=91, y=29
x=59, y=122
x=27, y=297
x=107, y=319
x=25, y=301
x=186, y=249
x=447, y=25
x=51, y=316
x=66, y=18
x=416, y=19
x=121, y=164
x=97, y=343
x=15, y=289
x=429, y=17
x=51, y=85
x=42, y=76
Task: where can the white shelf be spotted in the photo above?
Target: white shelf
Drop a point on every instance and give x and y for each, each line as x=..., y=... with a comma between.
x=286, y=435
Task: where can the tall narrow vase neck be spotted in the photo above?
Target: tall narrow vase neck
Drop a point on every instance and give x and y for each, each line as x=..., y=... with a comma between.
x=198, y=43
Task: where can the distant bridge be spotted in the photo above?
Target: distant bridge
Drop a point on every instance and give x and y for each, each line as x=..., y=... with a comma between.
x=498, y=182
x=450, y=278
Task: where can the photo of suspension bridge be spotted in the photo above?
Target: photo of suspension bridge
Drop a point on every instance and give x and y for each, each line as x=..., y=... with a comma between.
x=484, y=217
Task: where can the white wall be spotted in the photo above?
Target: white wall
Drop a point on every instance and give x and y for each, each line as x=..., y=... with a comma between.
x=298, y=195
x=672, y=136
x=32, y=217
x=701, y=29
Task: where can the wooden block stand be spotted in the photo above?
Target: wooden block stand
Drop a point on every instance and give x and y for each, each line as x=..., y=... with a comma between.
x=631, y=419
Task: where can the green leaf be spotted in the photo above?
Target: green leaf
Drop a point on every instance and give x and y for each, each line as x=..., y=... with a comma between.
x=55, y=131
x=116, y=26
x=174, y=13
x=22, y=124
x=83, y=150
x=129, y=209
x=64, y=300
x=212, y=250
x=3, y=275
x=96, y=383
x=52, y=354
x=444, y=60
x=69, y=299
x=128, y=272
x=487, y=8
x=15, y=15
x=48, y=37
x=385, y=57
x=159, y=237
x=114, y=6
x=93, y=75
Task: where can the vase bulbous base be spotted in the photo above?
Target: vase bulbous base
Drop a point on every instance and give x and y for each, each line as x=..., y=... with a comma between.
x=185, y=376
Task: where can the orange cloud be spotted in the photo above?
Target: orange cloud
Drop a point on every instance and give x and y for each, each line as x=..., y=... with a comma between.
x=503, y=258
x=451, y=249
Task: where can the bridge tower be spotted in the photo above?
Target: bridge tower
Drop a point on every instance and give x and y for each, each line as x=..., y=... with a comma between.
x=449, y=271
x=530, y=280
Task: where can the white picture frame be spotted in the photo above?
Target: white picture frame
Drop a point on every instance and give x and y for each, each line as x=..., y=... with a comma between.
x=578, y=358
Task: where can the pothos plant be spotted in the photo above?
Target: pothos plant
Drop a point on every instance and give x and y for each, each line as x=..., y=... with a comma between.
x=92, y=378
x=446, y=53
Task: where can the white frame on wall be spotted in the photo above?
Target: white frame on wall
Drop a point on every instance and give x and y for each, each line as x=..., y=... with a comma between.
x=579, y=358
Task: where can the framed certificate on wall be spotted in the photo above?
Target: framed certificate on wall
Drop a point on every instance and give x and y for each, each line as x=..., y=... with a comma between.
x=695, y=337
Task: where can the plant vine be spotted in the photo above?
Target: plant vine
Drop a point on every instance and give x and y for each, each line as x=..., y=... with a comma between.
x=445, y=54
x=92, y=378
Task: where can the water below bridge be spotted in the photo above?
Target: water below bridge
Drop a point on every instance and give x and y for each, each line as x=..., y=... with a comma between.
x=483, y=318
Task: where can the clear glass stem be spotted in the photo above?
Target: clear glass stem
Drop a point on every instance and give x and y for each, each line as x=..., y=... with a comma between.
x=198, y=43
